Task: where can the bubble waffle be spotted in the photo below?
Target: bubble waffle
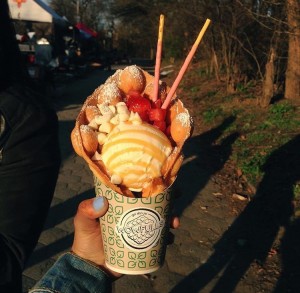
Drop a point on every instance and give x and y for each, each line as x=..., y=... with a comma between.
x=121, y=136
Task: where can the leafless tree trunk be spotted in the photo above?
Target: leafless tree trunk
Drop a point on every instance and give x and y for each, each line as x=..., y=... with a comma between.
x=268, y=83
x=292, y=80
x=215, y=64
x=229, y=53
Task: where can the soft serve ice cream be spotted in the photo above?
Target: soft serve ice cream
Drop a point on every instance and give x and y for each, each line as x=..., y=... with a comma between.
x=134, y=154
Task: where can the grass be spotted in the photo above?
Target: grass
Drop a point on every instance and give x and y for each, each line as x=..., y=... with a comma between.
x=261, y=131
x=251, y=165
x=210, y=115
x=262, y=136
x=282, y=116
x=297, y=191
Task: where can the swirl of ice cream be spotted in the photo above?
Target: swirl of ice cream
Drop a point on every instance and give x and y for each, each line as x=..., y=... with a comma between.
x=135, y=153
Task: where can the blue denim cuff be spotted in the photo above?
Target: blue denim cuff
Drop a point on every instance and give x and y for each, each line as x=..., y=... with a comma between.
x=71, y=273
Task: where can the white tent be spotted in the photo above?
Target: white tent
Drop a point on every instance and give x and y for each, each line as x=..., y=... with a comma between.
x=41, y=19
x=34, y=10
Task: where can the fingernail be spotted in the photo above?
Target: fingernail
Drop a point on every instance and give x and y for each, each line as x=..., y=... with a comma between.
x=98, y=203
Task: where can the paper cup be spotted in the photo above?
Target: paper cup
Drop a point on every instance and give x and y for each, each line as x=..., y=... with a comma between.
x=134, y=230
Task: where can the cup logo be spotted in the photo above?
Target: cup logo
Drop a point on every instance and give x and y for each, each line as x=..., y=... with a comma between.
x=140, y=228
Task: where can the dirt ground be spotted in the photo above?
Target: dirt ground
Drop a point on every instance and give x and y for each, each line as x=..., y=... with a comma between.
x=267, y=224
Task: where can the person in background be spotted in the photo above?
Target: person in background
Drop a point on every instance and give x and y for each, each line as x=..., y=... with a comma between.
x=83, y=269
x=29, y=159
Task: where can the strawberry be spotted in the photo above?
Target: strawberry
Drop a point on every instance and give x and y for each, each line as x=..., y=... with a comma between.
x=157, y=114
x=138, y=104
x=157, y=104
x=168, y=131
x=134, y=94
x=161, y=125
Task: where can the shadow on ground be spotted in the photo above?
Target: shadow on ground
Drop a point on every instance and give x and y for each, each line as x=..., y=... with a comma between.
x=250, y=237
x=203, y=158
x=57, y=215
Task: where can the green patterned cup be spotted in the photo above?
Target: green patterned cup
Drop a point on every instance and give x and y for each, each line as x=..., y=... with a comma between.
x=134, y=231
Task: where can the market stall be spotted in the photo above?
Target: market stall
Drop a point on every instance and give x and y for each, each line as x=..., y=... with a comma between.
x=40, y=30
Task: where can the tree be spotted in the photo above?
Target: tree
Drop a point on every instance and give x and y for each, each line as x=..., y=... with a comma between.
x=138, y=24
x=270, y=16
x=65, y=8
x=292, y=81
x=247, y=40
x=87, y=11
x=268, y=82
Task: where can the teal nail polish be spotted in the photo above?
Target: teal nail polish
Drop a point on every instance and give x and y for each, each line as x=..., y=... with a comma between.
x=98, y=203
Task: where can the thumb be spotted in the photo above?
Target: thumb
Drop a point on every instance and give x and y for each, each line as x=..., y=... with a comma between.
x=88, y=211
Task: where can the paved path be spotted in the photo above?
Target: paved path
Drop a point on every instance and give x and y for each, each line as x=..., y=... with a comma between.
x=200, y=208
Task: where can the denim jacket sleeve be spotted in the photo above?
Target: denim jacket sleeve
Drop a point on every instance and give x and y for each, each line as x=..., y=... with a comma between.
x=71, y=273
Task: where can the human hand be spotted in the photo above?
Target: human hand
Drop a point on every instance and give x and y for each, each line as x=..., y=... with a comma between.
x=87, y=242
x=87, y=236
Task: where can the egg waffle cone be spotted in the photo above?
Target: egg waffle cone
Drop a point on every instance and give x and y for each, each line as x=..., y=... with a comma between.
x=170, y=167
x=97, y=167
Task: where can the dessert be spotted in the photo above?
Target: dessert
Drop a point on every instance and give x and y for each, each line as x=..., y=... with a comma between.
x=109, y=93
x=135, y=153
x=131, y=130
x=129, y=142
x=132, y=79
